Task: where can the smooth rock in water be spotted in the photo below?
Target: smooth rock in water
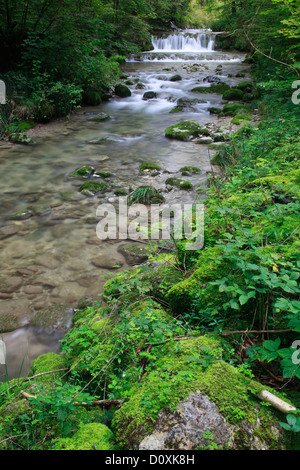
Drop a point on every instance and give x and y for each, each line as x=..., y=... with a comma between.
x=149, y=95
x=21, y=215
x=47, y=261
x=14, y=314
x=107, y=262
x=8, y=231
x=176, y=78
x=10, y=284
x=100, y=117
x=122, y=91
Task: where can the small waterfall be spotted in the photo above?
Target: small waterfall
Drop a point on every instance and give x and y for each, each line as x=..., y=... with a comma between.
x=185, y=41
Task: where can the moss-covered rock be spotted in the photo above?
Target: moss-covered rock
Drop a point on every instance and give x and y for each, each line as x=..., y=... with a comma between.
x=46, y=363
x=93, y=187
x=92, y=436
x=149, y=166
x=176, y=78
x=185, y=131
x=83, y=172
x=194, y=366
x=122, y=90
x=233, y=95
x=190, y=169
x=149, y=95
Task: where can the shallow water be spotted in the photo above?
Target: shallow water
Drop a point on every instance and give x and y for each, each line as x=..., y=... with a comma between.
x=49, y=259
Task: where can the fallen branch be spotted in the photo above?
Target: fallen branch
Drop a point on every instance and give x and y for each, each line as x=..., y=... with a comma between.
x=27, y=379
x=243, y=332
x=276, y=402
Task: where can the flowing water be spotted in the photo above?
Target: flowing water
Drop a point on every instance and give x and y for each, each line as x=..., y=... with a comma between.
x=50, y=257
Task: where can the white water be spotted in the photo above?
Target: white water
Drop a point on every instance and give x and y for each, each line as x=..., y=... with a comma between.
x=184, y=46
x=186, y=41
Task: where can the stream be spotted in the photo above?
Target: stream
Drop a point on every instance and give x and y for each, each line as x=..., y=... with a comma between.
x=50, y=256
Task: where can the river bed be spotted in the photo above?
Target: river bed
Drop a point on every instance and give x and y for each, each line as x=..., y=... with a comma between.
x=52, y=259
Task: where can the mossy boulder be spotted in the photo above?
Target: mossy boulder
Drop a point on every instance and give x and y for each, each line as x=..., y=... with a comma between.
x=93, y=187
x=46, y=363
x=233, y=95
x=83, y=172
x=149, y=166
x=149, y=95
x=122, y=90
x=185, y=131
x=92, y=436
x=176, y=78
x=190, y=392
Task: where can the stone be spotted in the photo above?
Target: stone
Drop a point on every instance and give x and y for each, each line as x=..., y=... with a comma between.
x=185, y=429
x=134, y=253
x=47, y=261
x=149, y=95
x=8, y=231
x=107, y=262
x=122, y=91
x=10, y=284
x=100, y=117
x=33, y=290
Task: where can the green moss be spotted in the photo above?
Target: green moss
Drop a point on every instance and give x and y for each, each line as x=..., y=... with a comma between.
x=287, y=183
x=233, y=95
x=146, y=195
x=122, y=91
x=241, y=118
x=186, y=186
x=94, y=186
x=149, y=166
x=175, y=78
x=48, y=362
x=104, y=174
x=185, y=131
x=120, y=192
x=174, y=182
x=92, y=436
x=190, y=169
x=179, y=372
x=182, y=296
x=231, y=109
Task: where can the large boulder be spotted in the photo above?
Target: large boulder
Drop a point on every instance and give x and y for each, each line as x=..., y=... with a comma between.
x=192, y=399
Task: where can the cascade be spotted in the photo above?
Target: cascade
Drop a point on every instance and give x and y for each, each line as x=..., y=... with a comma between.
x=185, y=41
